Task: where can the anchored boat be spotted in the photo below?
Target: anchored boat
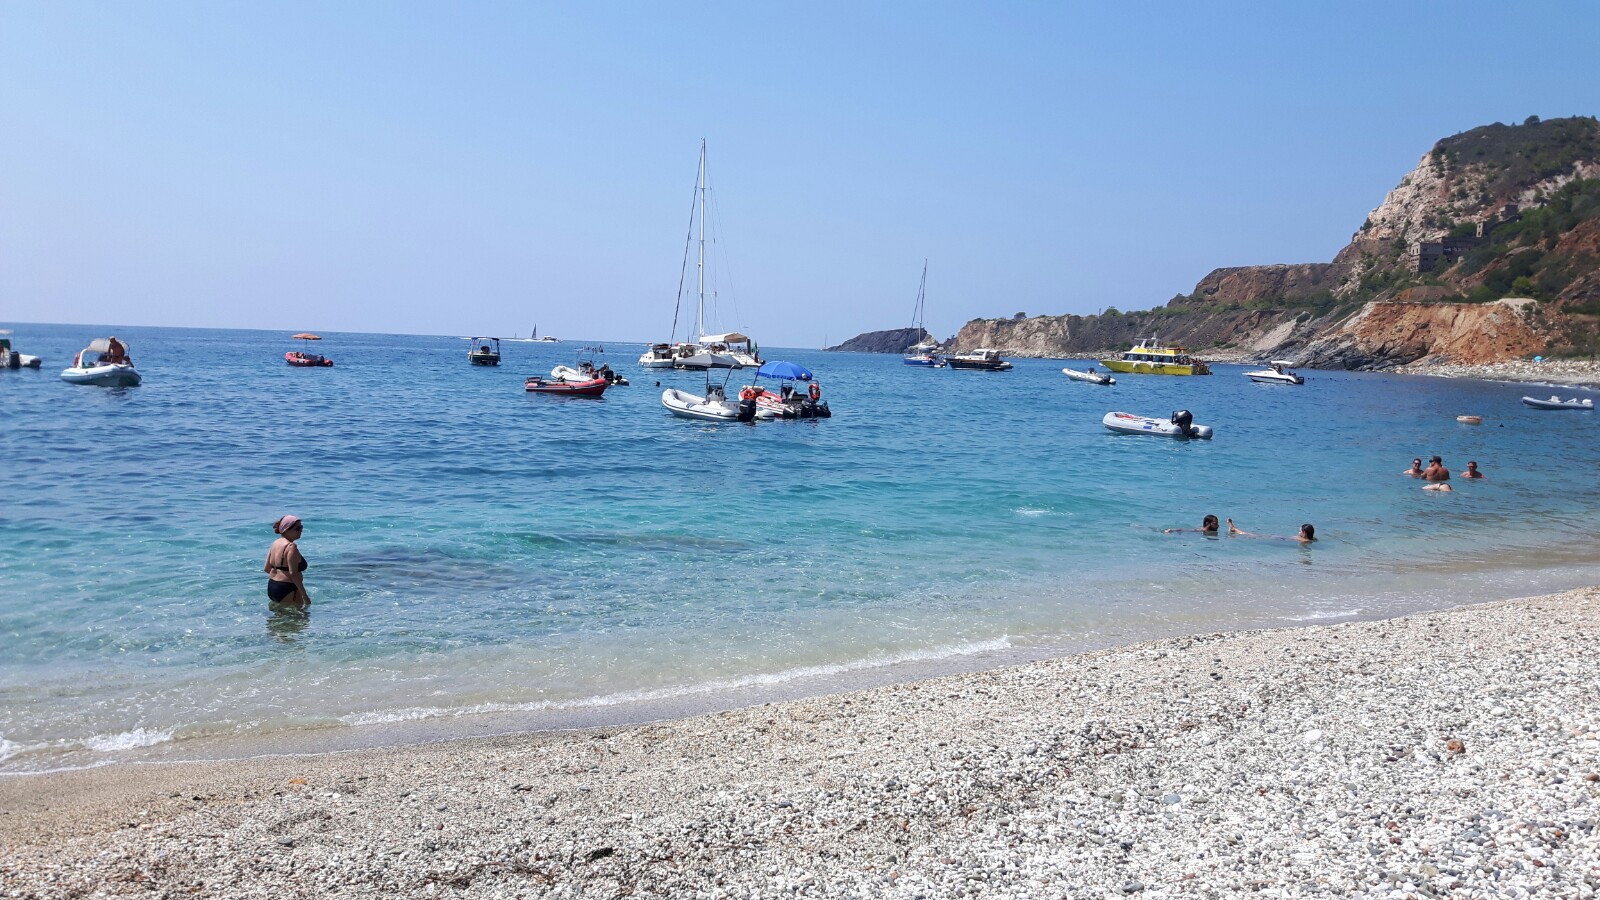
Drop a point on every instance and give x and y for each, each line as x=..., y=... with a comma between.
x=485, y=351
x=713, y=406
x=1180, y=426
x=1150, y=357
x=1277, y=372
x=303, y=360
x=983, y=360
x=925, y=352
x=1556, y=402
x=1090, y=376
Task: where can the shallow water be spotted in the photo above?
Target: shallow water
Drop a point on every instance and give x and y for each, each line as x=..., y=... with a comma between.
x=478, y=550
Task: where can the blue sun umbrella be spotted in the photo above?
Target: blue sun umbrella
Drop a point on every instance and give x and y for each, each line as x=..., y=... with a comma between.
x=784, y=371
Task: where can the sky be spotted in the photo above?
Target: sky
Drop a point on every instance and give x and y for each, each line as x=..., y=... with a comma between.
x=486, y=167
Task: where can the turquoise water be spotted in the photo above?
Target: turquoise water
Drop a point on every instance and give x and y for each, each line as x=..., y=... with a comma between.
x=481, y=554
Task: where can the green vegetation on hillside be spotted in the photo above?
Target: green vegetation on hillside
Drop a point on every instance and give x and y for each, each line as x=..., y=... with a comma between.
x=1522, y=154
x=1518, y=255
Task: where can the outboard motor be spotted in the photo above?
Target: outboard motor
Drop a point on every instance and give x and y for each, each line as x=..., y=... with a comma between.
x=823, y=412
x=1185, y=422
x=747, y=411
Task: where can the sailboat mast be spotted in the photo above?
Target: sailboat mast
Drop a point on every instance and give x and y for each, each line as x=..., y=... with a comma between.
x=700, y=314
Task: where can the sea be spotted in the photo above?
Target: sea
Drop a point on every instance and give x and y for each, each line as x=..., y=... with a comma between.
x=486, y=561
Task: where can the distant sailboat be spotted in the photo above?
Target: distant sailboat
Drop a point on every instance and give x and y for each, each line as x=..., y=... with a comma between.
x=923, y=354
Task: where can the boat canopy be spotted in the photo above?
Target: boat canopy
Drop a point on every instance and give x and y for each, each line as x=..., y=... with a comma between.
x=99, y=345
x=1283, y=362
x=306, y=336
x=732, y=337
x=784, y=371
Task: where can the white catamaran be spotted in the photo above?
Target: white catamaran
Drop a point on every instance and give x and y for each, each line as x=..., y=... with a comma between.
x=925, y=353
x=712, y=351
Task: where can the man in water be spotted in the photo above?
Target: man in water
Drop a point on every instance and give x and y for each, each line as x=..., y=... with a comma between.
x=1472, y=470
x=1416, y=468
x=1436, y=471
x=1307, y=535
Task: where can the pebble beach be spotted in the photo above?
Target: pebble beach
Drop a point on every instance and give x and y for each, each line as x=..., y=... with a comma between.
x=1450, y=754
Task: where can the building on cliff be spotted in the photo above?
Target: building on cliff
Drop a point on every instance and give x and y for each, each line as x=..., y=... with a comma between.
x=1425, y=256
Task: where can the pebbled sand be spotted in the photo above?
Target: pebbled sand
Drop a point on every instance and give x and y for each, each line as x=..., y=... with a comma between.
x=1448, y=754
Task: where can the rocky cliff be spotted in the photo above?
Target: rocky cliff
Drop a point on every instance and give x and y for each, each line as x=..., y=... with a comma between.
x=895, y=340
x=1502, y=211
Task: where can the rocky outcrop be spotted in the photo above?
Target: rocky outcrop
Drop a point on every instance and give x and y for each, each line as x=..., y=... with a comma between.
x=895, y=340
x=1248, y=284
x=1389, y=334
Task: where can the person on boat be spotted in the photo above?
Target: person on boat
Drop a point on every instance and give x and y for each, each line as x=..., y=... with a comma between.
x=1307, y=534
x=1209, y=525
x=285, y=567
x=1436, y=471
x=1416, y=468
x=1472, y=470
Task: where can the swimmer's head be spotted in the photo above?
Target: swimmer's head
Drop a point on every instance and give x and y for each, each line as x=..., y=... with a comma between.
x=287, y=524
x=1209, y=523
x=1308, y=531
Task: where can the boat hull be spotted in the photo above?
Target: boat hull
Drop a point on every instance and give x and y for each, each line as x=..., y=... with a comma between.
x=594, y=387
x=483, y=359
x=974, y=365
x=304, y=361
x=1128, y=423
x=102, y=376
x=926, y=362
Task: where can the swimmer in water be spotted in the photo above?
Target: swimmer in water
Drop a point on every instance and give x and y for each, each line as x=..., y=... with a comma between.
x=1416, y=468
x=1439, y=486
x=1307, y=535
x=1436, y=471
x=1472, y=470
x=1208, y=525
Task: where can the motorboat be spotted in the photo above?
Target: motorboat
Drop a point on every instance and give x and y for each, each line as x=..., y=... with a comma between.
x=1151, y=357
x=300, y=359
x=711, y=351
x=1090, y=376
x=586, y=370
x=307, y=360
x=658, y=356
x=713, y=406
x=1180, y=425
x=788, y=402
x=983, y=360
x=925, y=352
x=1277, y=372
x=104, y=363
x=1556, y=402
x=11, y=359
x=593, y=387
x=485, y=351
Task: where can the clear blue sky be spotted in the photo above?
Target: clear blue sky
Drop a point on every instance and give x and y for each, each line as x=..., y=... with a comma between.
x=468, y=168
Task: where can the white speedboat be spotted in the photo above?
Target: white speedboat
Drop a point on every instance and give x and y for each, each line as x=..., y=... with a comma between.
x=714, y=406
x=658, y=356
x=1090, y=376
x=1277, y=372
x=1179, y=426
x=104, y=363
x=1556, y=402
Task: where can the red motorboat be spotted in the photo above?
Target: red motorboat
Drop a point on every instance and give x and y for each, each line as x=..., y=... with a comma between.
x=306, y=360
x=594, y=387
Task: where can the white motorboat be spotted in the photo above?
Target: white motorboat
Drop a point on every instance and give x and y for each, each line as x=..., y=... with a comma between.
x=1277, y=372
x=983, y=360
x=1180, y=426
x=714, y=406
x=1556, y=402
x=712, y=351
x=104, y=363
x=1090, y=376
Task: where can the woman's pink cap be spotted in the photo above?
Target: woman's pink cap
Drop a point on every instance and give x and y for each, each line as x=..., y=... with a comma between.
x=285, y=523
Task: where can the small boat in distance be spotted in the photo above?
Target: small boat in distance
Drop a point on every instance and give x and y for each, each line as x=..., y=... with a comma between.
x=1091, y=376
x=547, y=339
x=1149, y=357
x=11, y=359
x=303, y=360
x=983, y=360
x=103, y=363
x=925, y=352
x=1555, y=402
x=1180, y=426
x=1277, y=372
x=485, y=351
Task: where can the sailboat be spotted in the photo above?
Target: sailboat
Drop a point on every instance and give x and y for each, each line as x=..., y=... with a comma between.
x=730, y=350
x=925, y=352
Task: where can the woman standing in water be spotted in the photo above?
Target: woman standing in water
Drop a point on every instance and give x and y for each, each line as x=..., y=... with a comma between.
x=285, y=566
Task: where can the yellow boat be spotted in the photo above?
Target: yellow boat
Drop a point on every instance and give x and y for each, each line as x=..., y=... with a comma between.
x=1150, y=358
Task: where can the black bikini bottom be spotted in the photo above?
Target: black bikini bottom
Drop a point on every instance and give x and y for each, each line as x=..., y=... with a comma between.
x=279, y=591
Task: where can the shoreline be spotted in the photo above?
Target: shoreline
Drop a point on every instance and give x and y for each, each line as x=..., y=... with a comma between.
x=1455, y=750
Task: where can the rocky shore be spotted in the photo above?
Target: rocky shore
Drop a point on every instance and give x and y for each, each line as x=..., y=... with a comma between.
x=1452, y=754
x=1552, y=371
